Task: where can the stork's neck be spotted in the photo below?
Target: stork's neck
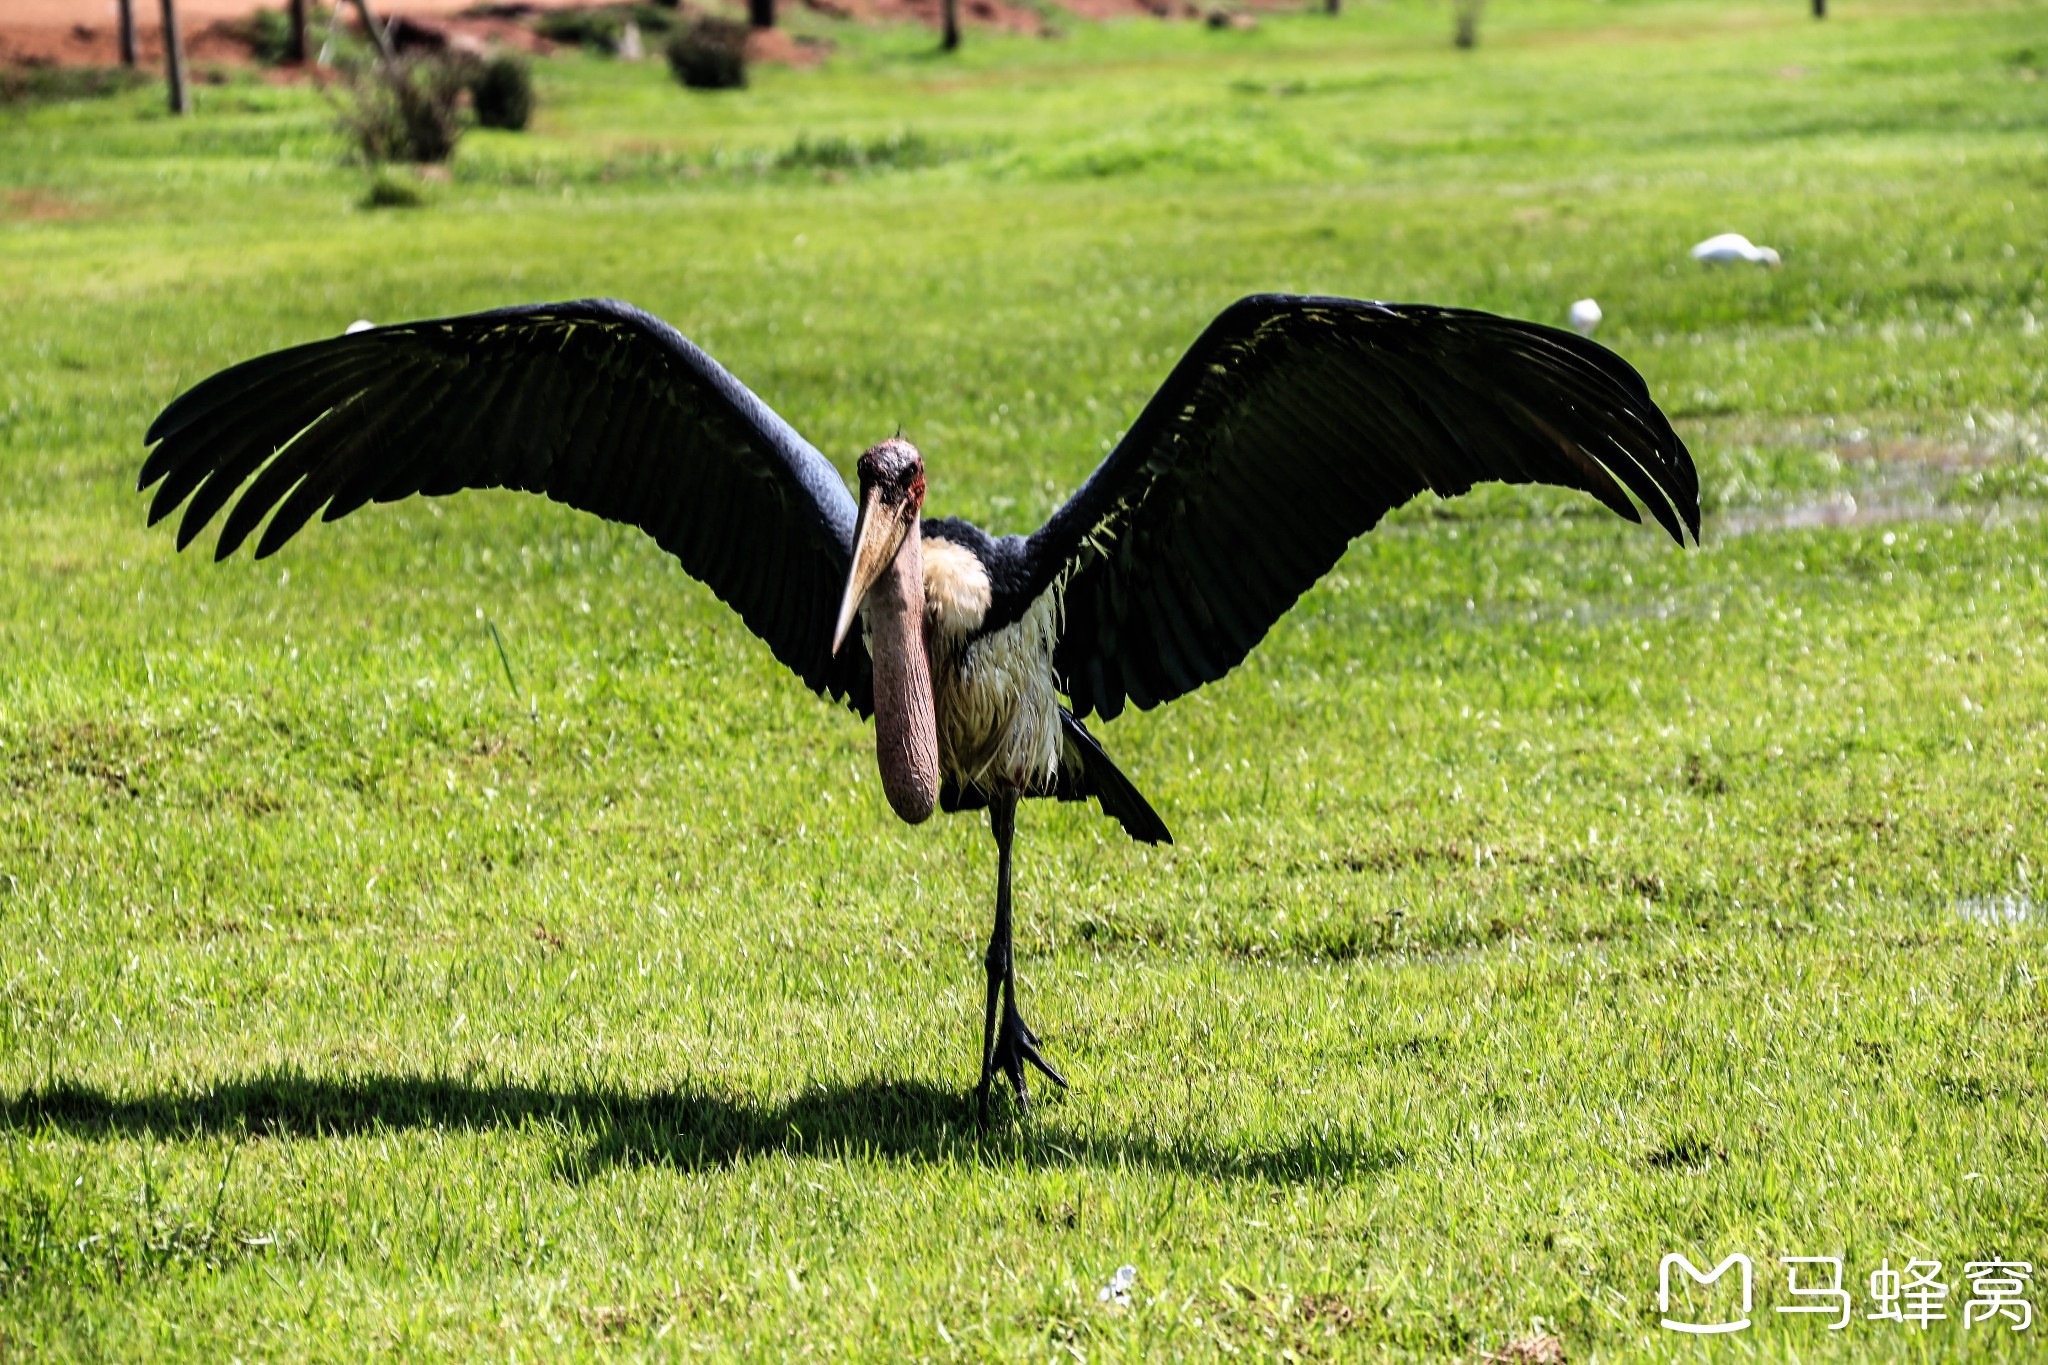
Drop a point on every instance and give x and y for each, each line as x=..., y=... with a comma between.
x=906, y=736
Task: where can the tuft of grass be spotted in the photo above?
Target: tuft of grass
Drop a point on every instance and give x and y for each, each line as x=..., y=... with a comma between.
x=30, y=84
x=391, y=192
x=901, y=150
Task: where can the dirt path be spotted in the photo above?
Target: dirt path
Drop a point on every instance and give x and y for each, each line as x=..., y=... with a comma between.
x=86, y=32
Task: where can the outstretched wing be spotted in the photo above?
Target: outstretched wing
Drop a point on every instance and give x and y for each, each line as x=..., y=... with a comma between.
x=594, y=403
x=1292, y=426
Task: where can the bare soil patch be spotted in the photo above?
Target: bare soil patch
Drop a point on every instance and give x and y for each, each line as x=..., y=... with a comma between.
x=38, y=206
x=86, y=32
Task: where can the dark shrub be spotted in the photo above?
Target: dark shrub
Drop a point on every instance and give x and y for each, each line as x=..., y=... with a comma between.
x=407, y=109
x=415, y=35
x=710, y=54
x=597, y=29
x=654, y=19
x=502, y=93
x=602, y=28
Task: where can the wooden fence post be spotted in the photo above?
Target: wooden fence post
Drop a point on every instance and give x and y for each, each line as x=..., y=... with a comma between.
x=174, y=59
x=128, y=34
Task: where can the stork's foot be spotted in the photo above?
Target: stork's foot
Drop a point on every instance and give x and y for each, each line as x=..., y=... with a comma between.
x=1013, y=1046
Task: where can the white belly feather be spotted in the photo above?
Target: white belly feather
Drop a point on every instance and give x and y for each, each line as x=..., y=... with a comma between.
x=996, y=705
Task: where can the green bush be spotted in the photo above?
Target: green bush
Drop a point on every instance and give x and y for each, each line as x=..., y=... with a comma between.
x=595, y=28
x=653, y=19
x=268, y=32
x=407, y=109
x=501, y=92
x=710, y=54
x=600, y=28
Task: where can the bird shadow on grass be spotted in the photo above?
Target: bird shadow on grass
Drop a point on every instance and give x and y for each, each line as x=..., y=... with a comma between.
x=684, y=1129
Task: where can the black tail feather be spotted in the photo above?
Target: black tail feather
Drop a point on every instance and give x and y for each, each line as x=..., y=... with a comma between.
x=1101, y=779
x=1085, y=771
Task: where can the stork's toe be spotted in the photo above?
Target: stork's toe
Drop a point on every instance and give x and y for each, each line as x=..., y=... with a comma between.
x=1016, y=1048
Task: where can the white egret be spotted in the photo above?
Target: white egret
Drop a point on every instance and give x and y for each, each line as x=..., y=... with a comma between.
x=1729, y=247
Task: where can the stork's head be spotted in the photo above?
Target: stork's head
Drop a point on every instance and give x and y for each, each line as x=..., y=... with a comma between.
x=891, y=500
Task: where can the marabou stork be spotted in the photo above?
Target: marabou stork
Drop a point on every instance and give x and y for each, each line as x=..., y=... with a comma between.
x=1291, y=426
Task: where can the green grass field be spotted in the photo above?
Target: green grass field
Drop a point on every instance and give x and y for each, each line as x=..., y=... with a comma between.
x=1546, y=899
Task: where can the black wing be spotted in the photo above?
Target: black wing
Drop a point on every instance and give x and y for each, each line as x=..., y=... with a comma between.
x=594, y=403
x=1292, y=426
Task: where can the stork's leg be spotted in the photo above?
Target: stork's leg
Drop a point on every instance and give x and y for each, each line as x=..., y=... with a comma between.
x=1006, y=1044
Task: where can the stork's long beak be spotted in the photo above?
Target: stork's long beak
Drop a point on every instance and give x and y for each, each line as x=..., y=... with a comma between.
x=877, y=536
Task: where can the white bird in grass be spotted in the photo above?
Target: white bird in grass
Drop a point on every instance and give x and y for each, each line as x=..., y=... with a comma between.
x=1585, y=316
x=1729, y=247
